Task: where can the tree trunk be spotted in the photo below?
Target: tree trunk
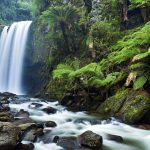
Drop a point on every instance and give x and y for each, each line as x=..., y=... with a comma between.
x=125, y=10
x=62, y=25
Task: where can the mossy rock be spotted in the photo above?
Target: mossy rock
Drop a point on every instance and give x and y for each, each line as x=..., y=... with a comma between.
x=113, y=104
x=129, y=105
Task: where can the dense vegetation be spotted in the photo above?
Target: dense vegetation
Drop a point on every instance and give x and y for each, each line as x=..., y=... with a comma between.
x=94, y=50
x=15, y=10
x=88, y=47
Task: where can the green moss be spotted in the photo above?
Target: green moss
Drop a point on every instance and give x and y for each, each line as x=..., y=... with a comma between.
x=127, y=104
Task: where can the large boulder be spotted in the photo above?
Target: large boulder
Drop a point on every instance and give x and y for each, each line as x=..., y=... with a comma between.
x=91, y=140
x=69, y=143
x=129, y=105
x=9, y=135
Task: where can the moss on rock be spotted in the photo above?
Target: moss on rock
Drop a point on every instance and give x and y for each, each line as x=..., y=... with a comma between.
x=128, y=105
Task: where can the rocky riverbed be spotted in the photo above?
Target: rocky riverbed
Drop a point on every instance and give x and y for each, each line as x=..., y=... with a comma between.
x=37, y=124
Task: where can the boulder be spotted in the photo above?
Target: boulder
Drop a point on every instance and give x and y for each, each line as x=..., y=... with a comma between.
x=128, y=105
x=50, y=124
x=32, y=134
x=67, y=142
x=49, y=110
x=6, y=117
x=22, y=114
x=35, y=105
x=91, y=140
x=115, y=138
x=9, y=134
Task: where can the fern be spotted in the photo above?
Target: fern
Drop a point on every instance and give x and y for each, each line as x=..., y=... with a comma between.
x=92, y=69
x=62, y=71
x=96, y=82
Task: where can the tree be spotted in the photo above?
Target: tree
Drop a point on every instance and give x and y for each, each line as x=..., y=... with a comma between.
x=60, y=18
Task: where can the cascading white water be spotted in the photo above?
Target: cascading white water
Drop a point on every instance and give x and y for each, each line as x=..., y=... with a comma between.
x=12, y=50
x=74, y=124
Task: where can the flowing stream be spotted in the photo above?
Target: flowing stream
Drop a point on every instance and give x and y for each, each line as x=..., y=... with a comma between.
x=12, y=49
x=74, y=124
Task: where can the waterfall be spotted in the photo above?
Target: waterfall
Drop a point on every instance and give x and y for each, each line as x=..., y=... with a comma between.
x=12, y=50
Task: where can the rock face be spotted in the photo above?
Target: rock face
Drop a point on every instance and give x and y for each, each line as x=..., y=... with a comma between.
x=91, y=140
x=8, y=136
x=82, y=101
x=130, y=106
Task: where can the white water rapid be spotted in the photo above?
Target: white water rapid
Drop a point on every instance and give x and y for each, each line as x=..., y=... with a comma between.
x=12, y=49
x=74, y=124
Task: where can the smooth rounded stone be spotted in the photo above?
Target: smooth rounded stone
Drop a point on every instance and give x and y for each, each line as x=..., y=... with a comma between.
x=49, y=110
x=50, y=124
x=33, y=134
x=6, y=117
x=69, y=143
x=40, y=125
x=22, y=114
x=115, y=138
x=9, y=134
x=35, y=105
x=21, y=146
x=91, y=140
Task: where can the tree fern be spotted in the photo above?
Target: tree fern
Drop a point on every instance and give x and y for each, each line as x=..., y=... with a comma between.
x=62, y=71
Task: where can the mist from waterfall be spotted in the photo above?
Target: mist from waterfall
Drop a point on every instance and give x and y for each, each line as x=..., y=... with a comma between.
x=12, y=50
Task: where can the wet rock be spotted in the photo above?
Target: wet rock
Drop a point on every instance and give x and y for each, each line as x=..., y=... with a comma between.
x=128, y=105
x=27, y=126
x=49, y=110
x=21, y=146
x=40, y=125
x=22, y=114
x=9, y=134
x=50, y=124
x=6, y=117
x=115, y=138
x=35, y=105
x=4, y=108
x=144, y=126
x=69, y=143
x=33, y=134
x=7, y=94
x=91, y=140
x=81, y=101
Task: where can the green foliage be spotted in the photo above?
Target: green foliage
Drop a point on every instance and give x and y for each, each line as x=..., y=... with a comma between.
x=140, y=82
x=133, y=47
x=140, y=3
x=130, y=46
x=15, y=10
x=110, y=79
x=104, y=35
